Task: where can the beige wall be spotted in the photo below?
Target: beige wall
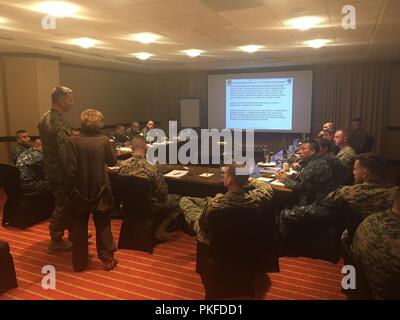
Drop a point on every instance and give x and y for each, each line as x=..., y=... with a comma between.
x=114, y=93
x=48, y=76
x=3, y=129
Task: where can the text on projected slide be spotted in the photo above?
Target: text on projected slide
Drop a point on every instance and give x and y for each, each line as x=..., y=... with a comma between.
x=259, y=103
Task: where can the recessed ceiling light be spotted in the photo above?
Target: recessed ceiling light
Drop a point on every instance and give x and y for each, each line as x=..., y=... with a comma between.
x=304, y=23
x=146, y=37
x=85, y=42
x=193, y=52
x=250, y=48
x=2, y=20
x=317, y=43
x=143, y=55
x=57, y=8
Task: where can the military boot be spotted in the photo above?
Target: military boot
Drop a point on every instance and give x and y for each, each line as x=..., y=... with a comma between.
x=59, y=245
x=162, y=233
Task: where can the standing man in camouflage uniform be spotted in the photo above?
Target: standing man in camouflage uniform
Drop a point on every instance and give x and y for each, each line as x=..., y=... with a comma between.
x=54, y=132
x=376, y=249
x=161, y=199
x=360, y=140
x=197, y=210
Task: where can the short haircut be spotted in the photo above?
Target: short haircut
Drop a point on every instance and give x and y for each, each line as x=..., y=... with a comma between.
x=149, y=121
x=373, y=163
x=241, y=179
x=135, y=122
x=313, y=145
x=324, y=143
x=345, y=134
x=19, y=132
x=92, y=119
x=119, y=125
x=359, y=120
x=58, y=93
x=138, y=142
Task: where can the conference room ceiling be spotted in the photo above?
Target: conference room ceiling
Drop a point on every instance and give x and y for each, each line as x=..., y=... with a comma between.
x=218, y=27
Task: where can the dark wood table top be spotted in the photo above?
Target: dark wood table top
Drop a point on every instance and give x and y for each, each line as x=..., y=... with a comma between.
x=216, y=179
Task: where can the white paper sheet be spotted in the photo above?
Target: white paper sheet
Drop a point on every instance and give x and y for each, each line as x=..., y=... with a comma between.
x=206, y=175
x=176, y=173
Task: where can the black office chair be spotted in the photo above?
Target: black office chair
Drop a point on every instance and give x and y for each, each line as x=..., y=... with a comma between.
x=243, y=245
x=8, y=278
x=23, y=210
x=140, y=220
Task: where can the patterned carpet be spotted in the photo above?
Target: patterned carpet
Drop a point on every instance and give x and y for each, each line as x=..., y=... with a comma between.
x=167, y=274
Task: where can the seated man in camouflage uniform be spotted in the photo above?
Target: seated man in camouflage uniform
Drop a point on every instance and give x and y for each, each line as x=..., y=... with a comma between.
x=30, y=165
x=139, y=166
x=360, y=140
x=197, y=210
x=368, y=195
x=23, y=143
x=133, y=130
x=311, y=181
x=346, y=154
x=119, y=135
x=376, y=249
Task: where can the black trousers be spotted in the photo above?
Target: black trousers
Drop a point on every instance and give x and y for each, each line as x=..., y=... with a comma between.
x=105, y=243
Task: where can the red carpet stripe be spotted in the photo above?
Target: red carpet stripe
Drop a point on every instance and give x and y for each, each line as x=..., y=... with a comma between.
x=167, y=274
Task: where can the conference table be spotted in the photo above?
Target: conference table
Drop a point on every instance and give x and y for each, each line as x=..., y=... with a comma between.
x=204, y=181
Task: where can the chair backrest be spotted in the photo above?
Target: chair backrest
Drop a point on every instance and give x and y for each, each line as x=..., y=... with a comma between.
x=134, y=193
x=10, y=177
x=243, y=237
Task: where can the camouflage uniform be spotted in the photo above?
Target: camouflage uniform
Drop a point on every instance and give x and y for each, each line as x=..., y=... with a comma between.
x=161, y=199
x=312, y=179
x=18, y=150
x=54, y=131
x=30, y=165
x=144, y=132
x=130, y=134
x=365, y=198
x=346, y=156
x=376, y=249
x=359, y=140
x=120, y=140
x=197, y=210
x=339, y=172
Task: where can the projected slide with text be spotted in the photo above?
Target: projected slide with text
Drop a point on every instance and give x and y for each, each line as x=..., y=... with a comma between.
x=259, y=103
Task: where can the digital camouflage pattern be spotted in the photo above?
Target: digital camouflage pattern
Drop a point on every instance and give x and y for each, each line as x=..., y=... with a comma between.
x=376, y=248
x=312, y=180
x=30, y=165
x=140, y=167
x=346, y=156
x=197, y=210
x=54, y=132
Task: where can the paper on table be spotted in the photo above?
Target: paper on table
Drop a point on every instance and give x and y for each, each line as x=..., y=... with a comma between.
x=125, y=149
x=206, y=175
x=267, y=164
x=277, y=183
x=114, y=168
x=176, y=173
x=265, y=179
